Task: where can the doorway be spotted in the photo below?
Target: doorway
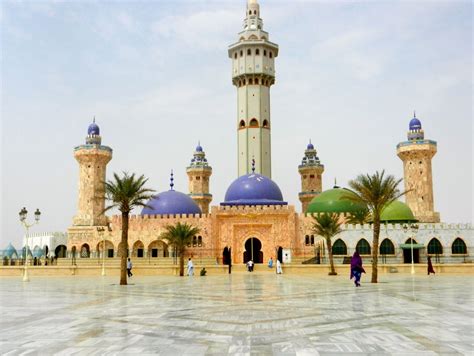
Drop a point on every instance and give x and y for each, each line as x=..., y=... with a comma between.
x=226, y=256
x=280, y=254
x=253, y=250
x=407, y=255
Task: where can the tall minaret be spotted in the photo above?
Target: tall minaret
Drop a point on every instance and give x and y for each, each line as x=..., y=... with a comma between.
x=416, y=154
x=253, y=72
x=93, y=159
x=311, y=171
x=199, y=173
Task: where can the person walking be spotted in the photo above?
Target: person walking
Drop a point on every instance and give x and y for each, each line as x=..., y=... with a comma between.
x=129, y=268
x=279, y=269
x=190, y=267
x=270, y=262
x=356, y=268
x=430, y=266
x=250, y=265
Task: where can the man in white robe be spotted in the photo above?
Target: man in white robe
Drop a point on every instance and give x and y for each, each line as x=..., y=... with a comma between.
x=190, y=267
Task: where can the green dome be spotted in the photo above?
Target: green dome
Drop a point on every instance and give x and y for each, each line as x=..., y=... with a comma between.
x=397, y=211
x=331, y=201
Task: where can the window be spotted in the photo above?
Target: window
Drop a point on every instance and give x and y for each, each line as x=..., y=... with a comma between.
x=199, y=241
x=312, y=240
x=459, y=247
x=434, y=247
x=256, y=81
x=242, y=124
x=339, y=248
x=198, y=178
x=194, y=241
x=255, y=12
x=249, y=52
x=265, y=52
x=257, y=52
x=270, y=54
x=253, y=123
x=250, y=81
x=241, y=53
x=363, y=247
x=265, y=123
x=235, y=55
x=311, y=176
x=306, y=240
x=387, y=248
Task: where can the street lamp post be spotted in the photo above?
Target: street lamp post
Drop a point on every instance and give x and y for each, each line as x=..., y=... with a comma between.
x=100, y=231
x=23, y=215
x=414, y=229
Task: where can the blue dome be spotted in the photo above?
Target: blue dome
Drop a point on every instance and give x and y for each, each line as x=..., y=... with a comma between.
x=93, y=129
x=310, y=146
x=415, y=124
x=171, y=203
x=253, y=189
x=198, y=148
x=10, y=251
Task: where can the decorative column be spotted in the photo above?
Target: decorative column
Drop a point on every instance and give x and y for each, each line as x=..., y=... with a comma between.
x=311, y=171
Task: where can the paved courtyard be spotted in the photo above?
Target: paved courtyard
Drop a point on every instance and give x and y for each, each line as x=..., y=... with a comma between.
x=241, y=314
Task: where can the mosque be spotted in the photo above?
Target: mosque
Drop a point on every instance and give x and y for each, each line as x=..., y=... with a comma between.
x=254, y=221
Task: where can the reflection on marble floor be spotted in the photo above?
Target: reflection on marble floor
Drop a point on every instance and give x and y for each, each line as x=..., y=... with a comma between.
x=241, y=314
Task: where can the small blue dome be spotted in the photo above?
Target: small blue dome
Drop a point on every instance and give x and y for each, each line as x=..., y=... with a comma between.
x=93, y=129
x=415, y=124
x=10, y=251
x=171, y=203
x=310, y=146
x=253, y=189
x=198, y=148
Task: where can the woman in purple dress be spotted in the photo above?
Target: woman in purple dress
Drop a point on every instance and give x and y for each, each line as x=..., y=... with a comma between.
x=356, y=268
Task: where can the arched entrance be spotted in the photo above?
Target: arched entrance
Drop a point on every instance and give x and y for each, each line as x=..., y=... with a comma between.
x=138, y=249
x=226, y=256
x=158, y=248
x=253, y=250
x=60, y=251
x=109, y=249
x=407, y=252
x=280, y=254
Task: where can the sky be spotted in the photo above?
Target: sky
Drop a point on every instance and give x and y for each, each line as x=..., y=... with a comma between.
x=157, y=77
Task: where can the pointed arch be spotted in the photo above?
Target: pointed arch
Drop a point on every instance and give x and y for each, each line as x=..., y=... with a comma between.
x=435, y=247
x=363, y=247
x=458, y=247
x=253, y=123
x=242, y=124
x=387, y=247
x=339, y=248
x=265, y=123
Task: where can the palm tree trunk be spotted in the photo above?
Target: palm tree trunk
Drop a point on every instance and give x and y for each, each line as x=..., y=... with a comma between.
x=123, y=249
x=375, y=249
x=331, y=260
x=181, y=262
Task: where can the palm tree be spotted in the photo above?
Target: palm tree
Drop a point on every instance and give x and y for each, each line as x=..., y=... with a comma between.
x=359, y=217
x=376, y=192
x=327, y=226
x=126, y=193
x=179, y=236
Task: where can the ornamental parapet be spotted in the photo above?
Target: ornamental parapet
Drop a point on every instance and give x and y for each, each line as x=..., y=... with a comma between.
x=252, y=207
x=416, y=142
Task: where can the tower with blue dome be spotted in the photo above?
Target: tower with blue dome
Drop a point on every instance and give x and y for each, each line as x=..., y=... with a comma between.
x=199, y=173
x=253, y=73
x=416, y=154
x=93, y=158
x=311, y=172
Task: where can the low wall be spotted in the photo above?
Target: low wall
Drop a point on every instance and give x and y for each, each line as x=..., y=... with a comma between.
x=146, y=270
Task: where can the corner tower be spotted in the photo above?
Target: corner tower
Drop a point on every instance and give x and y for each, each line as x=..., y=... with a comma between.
x=311, y=171
x=253, y=72
x=416, y=154
x=199, y=173
x=92, y=158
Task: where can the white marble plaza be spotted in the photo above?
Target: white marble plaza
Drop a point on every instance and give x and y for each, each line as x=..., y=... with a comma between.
x=241, y=314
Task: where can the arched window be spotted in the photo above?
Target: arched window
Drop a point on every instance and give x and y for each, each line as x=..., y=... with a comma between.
x=387, y=248
x=85, y=251
x=312, y=240
x=306, y=240
x=253, y=123
x=249, y=52
x=459, y=247
x=257, y=52
x=434, y=247
x=363, y=247
x=265, y=52
x=339, y=248
x=250, y=12
x=250, y=81
x=199, y=241
x=270, y=54
x=244, y=81
x=241, y=53
x=242, y=124
x=256, y=81
x=255, y=12
x=265, y=123
x=235, y=55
